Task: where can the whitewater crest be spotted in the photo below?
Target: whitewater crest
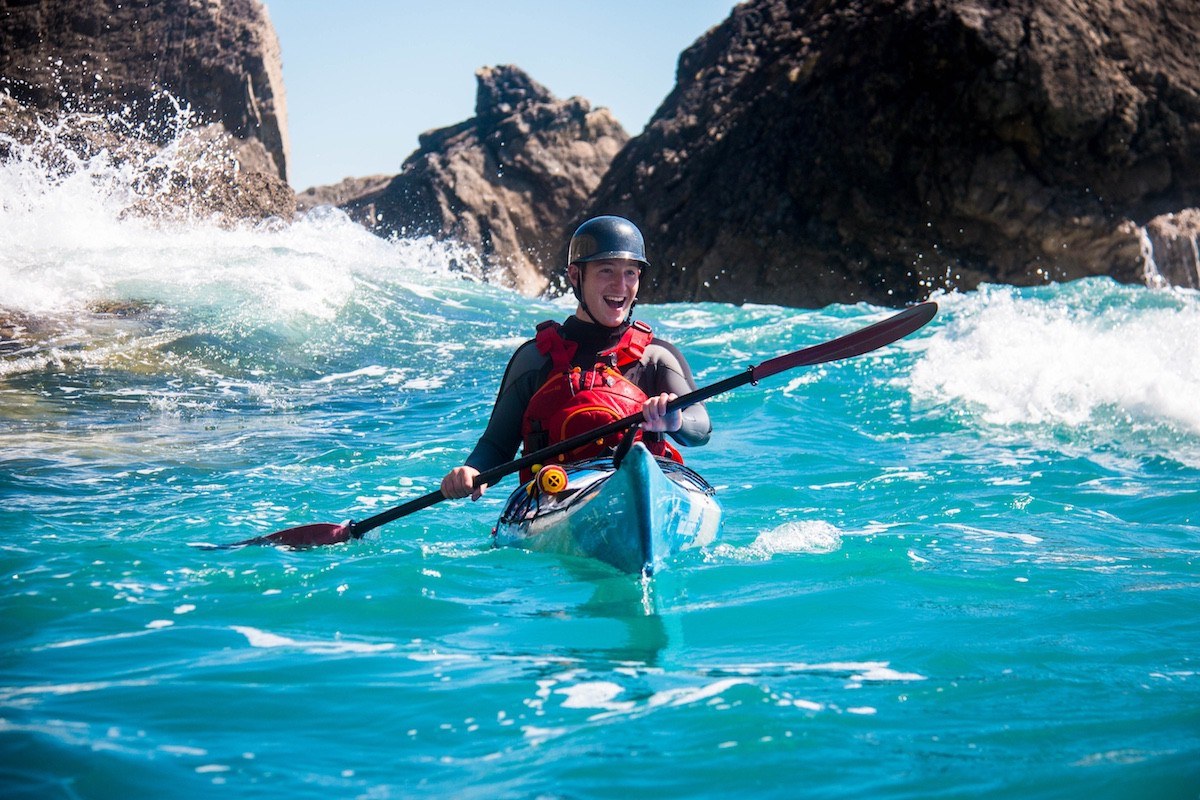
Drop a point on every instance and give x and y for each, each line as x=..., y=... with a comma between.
x=113, y=250
x=1091, y=358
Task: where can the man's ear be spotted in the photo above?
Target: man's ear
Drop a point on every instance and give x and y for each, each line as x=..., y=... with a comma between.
x=573, y=275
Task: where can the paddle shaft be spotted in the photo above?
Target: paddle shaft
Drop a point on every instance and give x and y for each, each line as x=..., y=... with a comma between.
x=862, y=341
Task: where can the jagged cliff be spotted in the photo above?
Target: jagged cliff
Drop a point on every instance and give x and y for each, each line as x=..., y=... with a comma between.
x=126, y=66
x=843, y=150
x=511, y=182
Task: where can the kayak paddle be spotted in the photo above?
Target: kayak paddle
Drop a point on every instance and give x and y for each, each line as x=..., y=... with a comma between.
x=861, y=341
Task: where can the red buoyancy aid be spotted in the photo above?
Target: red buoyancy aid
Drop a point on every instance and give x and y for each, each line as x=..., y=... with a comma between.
x=574, y=401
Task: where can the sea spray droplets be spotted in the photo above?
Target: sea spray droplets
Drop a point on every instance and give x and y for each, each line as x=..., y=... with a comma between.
x=87, y=286
x=111, y=167
x=75, y=236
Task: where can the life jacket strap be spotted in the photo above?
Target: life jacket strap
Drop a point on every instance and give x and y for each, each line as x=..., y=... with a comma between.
x=551, y=343
x=634, y=341
x=633, y=344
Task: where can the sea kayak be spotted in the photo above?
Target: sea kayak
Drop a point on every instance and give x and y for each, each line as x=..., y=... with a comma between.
x=633, y=516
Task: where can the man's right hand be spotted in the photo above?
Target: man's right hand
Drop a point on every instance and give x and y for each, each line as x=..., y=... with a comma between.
x=460, y=482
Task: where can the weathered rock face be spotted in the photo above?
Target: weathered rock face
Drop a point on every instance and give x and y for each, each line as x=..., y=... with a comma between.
x=1172, y=242
x=511, y=182
x=340, y=193
x=844, y=150
x=123, y=62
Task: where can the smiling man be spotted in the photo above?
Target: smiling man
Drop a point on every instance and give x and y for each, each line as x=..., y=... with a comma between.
x=597, y=366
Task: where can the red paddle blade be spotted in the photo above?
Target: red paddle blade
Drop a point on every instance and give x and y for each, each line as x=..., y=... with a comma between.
x=322, y=533
x=300, y=537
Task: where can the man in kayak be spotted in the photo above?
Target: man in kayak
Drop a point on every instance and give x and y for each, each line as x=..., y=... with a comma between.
x=598, y=366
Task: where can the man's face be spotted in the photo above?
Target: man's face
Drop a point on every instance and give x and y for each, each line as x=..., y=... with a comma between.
x=609, y=288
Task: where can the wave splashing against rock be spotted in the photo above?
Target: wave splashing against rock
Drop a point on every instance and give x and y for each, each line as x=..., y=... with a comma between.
x=171, y=167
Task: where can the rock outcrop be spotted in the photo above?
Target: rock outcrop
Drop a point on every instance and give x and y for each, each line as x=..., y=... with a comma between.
x=1172, y=250
x=511, y=182
x=342, y=192
x=844, y=150
x=128, y=67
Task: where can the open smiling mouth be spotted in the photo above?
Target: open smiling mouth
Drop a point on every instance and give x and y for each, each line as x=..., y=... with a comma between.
x=614, y=302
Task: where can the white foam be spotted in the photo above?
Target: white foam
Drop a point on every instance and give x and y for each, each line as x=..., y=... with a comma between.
x=986, y=533
x=812, y=536
x=687, y=696
x=10, y=693
x=373, y=371
x=539, y=735
x=882, y=673
x=1068, y=360
x=855, y=671
x=263, y=639
x=182, y=750
x=594, y=694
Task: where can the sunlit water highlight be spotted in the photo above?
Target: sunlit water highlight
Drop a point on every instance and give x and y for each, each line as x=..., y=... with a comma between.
x=964, y=565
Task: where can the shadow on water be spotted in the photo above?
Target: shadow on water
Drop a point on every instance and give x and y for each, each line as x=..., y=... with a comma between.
x=509, y=602
x=638, y=605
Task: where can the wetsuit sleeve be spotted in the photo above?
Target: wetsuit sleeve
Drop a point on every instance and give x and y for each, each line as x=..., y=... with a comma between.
x=668, y=371
x=502, y=437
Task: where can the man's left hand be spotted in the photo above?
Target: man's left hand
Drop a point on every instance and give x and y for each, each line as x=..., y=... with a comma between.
x=657, y=418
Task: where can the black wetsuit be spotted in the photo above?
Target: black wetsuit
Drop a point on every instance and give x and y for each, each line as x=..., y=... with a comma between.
x=662, y=368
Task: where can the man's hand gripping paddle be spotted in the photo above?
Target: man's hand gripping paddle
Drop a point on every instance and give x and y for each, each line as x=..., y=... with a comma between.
x=861, y=341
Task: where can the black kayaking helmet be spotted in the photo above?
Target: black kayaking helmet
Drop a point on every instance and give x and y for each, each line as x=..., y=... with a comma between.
x=603, y=238
x=607, y=237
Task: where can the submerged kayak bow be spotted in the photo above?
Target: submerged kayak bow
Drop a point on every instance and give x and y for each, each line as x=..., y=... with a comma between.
x=853, y=344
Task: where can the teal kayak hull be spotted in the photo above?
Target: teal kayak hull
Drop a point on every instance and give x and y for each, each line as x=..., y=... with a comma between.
x=634, y=517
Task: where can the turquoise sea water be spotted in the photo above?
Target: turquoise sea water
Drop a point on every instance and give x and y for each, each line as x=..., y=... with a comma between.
x=965, y=565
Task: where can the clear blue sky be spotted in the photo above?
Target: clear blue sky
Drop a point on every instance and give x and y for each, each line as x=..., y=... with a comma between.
x=365, y=77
